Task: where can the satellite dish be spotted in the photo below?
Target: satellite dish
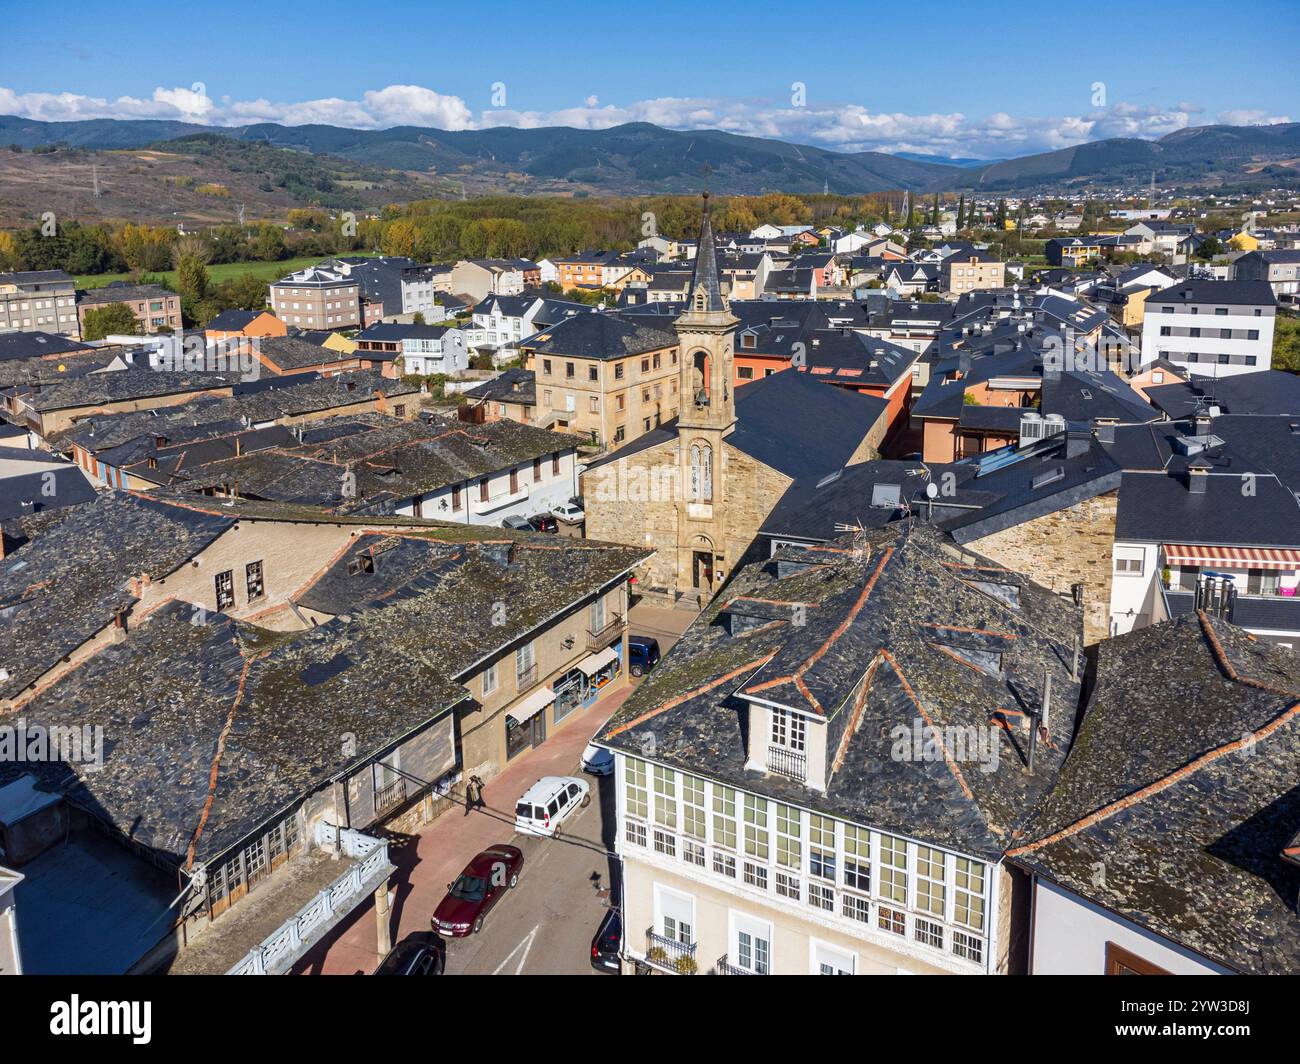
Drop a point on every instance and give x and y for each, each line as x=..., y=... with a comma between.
x=932, y=490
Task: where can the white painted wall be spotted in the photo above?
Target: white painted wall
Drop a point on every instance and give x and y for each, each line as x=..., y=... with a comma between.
x=1070, y=936
x=533, y=497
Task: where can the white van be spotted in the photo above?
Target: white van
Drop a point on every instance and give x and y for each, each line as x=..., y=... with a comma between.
x=545, y=804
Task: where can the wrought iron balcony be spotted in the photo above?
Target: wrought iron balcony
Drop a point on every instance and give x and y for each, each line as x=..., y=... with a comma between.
x=723, y=968
x=601, y=638
x=669, y=954
x=793, y=764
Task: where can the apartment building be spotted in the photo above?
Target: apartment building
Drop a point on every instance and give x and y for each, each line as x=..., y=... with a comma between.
x=479, y=278
x=39, y=301
x=606, y=375
x=1280, y=268
x=971, y=271
x=154, y=307
x=776, y=810
x=1213, y=328
x=317, y=298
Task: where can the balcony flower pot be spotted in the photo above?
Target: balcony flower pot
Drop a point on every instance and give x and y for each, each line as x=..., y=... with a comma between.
x=685, y=965
x=657, y=955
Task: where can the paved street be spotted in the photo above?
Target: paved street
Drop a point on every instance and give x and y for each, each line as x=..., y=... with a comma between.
x=545, y=925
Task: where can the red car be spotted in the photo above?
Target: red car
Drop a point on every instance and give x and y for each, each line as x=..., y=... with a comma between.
x=476, y=890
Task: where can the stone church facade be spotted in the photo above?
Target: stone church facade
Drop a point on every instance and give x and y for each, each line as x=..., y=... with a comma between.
x=694, y=497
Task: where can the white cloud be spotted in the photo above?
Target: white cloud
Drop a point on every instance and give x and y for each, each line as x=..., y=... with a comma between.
x=848, y=127
x=1249, y=118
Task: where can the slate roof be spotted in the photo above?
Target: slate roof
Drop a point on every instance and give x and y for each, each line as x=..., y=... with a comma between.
x=1269, y=391
x=233, y=320
x=17, y=345
x=791, y=422
x=1157, y=506
x=121, y=291
x=135, y=382
x=1190, y=823
x=855, y=359
x=1229, y=293
x=291, y=353
x=66, y=585
x=266, y=709
x=981, y=495
x=392, y=461
x=32, y=481
x=512, y=386
x=603, y=335
x=887, y=635
x=207, y=416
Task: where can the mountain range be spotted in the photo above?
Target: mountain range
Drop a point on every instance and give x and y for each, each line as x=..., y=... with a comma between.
x=640, y=158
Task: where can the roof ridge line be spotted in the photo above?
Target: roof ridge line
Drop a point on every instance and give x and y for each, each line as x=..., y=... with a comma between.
x=938, y=734
x=677, y=700
x=1221, y=656
x=840, y=629
x=1141, y=794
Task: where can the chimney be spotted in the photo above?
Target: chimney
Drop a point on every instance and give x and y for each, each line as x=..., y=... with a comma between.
x=1105, y=433
x=1077, y=443
x=1198, y=477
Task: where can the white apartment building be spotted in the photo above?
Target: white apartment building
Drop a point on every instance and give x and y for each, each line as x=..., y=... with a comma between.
x=1213, y=328
x=743, y=884
x=39, y=301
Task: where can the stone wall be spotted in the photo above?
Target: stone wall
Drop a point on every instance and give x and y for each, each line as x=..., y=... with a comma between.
x=1063, y=548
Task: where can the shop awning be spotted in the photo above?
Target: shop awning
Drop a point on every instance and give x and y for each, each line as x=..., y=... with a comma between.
x=530, y=705
x=1231, y=557
x=593, y=663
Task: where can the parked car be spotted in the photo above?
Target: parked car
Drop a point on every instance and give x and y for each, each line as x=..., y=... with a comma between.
x=597, y=760
x=519, y=524
x=543, y=523
x=421, y=953
x=643, y=654
x=568, y=513
x=476, y=890
x=608, y=943
x=544, y=806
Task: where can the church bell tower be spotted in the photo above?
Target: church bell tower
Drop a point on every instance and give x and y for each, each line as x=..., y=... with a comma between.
x=706, y=332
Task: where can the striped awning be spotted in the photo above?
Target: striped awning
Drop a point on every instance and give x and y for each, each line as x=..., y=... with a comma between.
x=1231, y=557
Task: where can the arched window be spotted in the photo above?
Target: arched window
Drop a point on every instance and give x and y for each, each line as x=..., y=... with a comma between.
x=700, y=378
x=701, y=472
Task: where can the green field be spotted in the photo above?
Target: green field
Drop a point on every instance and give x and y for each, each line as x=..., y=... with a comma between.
x=266, y=271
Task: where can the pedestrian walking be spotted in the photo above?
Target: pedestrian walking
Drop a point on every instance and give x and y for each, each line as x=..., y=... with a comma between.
x=474, y=795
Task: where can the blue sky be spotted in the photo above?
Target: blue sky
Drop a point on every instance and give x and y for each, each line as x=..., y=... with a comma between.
x=982, y=80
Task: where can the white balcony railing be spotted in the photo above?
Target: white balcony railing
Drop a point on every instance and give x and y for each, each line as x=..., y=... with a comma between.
x=296, y=935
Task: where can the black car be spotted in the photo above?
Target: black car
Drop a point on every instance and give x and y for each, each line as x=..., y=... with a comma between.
x=543, y=523
x=421, y=953
x=608, y=942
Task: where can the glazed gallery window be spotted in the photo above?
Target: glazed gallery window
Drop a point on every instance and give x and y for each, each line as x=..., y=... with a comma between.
x=665, y=797
x=756, y=844
x=637, y=793
x=724, y=817
x=789, y=831
x=693, y=807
